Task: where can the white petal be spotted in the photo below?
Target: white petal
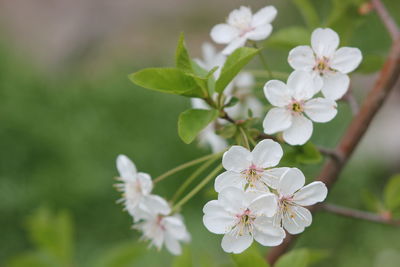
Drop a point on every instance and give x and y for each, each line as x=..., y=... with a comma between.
x=301, y=218
x=303, y=85
x=299, y=132
x=244, y=80
x=146, y=183
x=223, y=33
x=264, y=16
x=266, y=233
x=259, y=33
x=228, y=179
x=208, y=137
x=209, y=52
x=265, y=204
x=346, y=59
x=237, y=159
x=232, y=199
x=267, y=153
x=311, y=194
x=277, y=93
x=216, y=219
x=335, y=85
x=272, y=176
x=276, y=120
x=290, y=182
x=175, y=227
x=199, y=103
x=320, y=109
x=126, y=167
x=233, y=244
x=173, y=245
x=302, y=58
x=232, y=46
x=155, y=204
x=324, y=42
x=240, y=16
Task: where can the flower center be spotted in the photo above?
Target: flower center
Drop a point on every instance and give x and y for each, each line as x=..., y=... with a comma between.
x=252, y=174
x=322, y=66
x=296, y=107
x=244, y=224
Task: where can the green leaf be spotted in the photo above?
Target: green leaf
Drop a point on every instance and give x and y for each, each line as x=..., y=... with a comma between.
x=308, y=12
x=32, y=259
x=192, y=121
x=184, y=260
x=168, y=80
x=289, y=37
x=371, y=201
x=370, y=64
x=250, y=257
x=301, y=258
x=121, y=255
x=233, y=65
x=227, y=131
x=391, y=193
x=309, y=154
x=233, y=101
x=182, y=58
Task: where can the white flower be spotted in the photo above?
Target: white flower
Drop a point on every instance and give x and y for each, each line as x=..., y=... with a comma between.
x=328, y=64
x=292, y=102
x=249, y=169
x=211, y=59
x=241, y=217
x=160, y=229
x=136, y=188
x=242, y=25
x=292, y=196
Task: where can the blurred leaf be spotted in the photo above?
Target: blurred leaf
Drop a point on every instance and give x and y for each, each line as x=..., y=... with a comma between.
x=370, y=64
x=192, y=121
x=227, y=131
x=182, y=58
x=250, y=257
x=168, y=80
x=184, y=260
x=391, y=193
x=371, y=202
x=289, y=37
x=305, y=154
x=122, y=255
x=308, y=12
x=233, y=101
x=31, y=259
x=233, y=65
x=301, y=258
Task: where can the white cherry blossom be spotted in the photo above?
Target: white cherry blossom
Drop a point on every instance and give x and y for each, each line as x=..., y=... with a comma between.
x=245, y=169
x=242, y=25
x=241, y=217
x=292, y=196
x=161, y=229
x=293, y=102
x=328, y=64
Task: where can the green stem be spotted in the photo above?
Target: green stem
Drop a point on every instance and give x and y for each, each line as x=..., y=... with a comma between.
x=263, y=61
x=196, y=189
x=263, y=73
x=184, y=166
x=192, y=177
x=245, y=139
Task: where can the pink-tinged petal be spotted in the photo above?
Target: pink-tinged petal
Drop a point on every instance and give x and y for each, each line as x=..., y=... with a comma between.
x=277, y=93
x=302, y=85
x=266, y=233
x=126, y=167
x=236, y=244
x=224, y=33
x=155, y=204
x=264, y=205
x=175, y=227
x=264, y=16
x=259, y=33
x=235, y=44
x=277, y=120
x=146, y=183
x=272, y=177
x=228, y=179
x=311, y=194
x=216, y=219
x=232, y=199
x=324, y=42
x=346, y=59
x=298, y=219
x=299, y=132
x=335, y=85
x=267, y=153
x=302, y=58
x=320, y=109
x=290, y=182
x=236, y=159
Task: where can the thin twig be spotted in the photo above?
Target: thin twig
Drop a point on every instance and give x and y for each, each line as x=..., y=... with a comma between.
x=358, y=214
x=351, y=100
x=330, y=152
x=389, y=22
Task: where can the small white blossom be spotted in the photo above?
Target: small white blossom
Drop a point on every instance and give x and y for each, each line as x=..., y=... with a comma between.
x=161, y=229
x=245, y=169
x=292, y=102
x=292, y=196
x=329, y=64
x=241, y=217
x=242, y=25
x=136, y=188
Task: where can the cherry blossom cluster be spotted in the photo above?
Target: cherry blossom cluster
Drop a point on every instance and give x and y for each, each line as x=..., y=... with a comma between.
x=151, y=213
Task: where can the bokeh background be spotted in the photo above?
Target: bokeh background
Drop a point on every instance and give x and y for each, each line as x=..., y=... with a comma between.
x=67, y=109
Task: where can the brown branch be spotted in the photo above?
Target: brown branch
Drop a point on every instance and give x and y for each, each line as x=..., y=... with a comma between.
x=354, y=133
x=358, y=214
x=390, y=24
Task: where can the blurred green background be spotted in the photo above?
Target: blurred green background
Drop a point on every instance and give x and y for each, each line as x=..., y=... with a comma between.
x=67, y=110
